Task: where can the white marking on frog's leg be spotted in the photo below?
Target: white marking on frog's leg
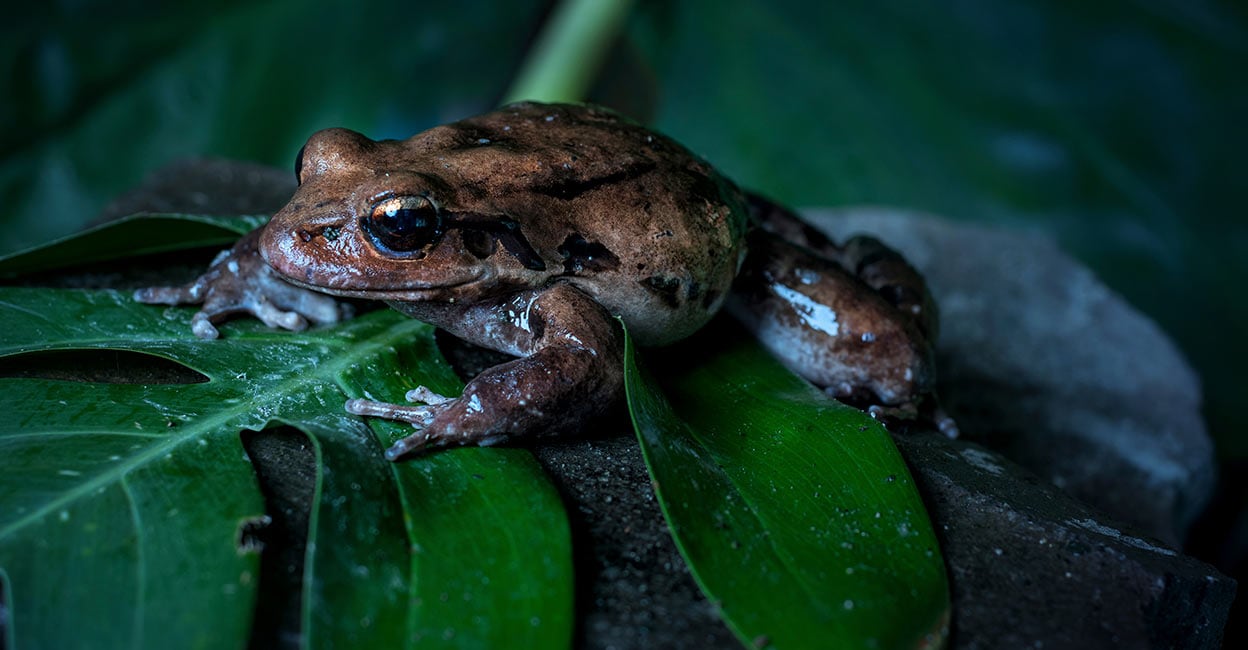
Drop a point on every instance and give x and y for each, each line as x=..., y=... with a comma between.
x=423, y=395
x=814, y=314
x=418, y=416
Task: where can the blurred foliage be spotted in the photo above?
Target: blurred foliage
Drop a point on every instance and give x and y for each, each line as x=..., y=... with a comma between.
x=102, y=93
x=1116, y=125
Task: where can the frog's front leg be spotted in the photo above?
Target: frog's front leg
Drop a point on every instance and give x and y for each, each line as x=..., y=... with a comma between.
x=570, y=369
x=239, y=281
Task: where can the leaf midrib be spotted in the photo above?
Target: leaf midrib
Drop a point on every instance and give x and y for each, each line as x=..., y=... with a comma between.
x=328, y=372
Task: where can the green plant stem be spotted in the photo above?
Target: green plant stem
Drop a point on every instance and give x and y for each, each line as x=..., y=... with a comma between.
x=569, y=51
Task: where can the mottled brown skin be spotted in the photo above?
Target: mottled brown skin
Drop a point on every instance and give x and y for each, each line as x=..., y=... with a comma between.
x=529, y=229
x=667, y=228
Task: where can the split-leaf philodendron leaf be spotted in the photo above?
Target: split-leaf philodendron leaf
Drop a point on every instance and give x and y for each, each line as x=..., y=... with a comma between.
x=128, y=511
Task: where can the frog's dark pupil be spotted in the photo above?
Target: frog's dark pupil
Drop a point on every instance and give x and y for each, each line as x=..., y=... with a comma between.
x=299, y=165
x=404, y=229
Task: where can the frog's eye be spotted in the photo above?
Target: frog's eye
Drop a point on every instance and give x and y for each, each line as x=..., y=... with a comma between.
x=404, y=224
x=299, y=165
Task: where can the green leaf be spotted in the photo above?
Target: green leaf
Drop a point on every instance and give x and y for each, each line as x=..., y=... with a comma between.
x=122, y=506
x=796, y=514
x=99, y=95
x=139, y=234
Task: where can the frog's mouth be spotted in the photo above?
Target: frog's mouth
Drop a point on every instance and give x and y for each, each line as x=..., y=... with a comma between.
x=340, y=266
x=402, y=293
x=375, y=280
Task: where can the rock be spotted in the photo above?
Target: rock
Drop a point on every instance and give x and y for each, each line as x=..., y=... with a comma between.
x=1031, y=567
x=633, y=588
x=1039, y=359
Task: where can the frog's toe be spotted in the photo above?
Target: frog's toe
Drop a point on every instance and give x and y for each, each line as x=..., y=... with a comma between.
x=429, y=439
x=413, y=444
x=310, y=306
x=163, y=295
x=417, y=416
x=423, y=395
x=202, y=327
x=322, y=309
x=274, y=317
x=946, y=424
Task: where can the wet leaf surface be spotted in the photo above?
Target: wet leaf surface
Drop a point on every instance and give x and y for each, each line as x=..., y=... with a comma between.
x=127, y=510
x=796, y=513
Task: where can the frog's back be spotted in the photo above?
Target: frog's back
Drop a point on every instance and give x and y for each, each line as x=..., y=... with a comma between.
x=629, y=216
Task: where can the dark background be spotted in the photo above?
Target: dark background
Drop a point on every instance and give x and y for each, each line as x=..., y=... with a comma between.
x=1117, y=127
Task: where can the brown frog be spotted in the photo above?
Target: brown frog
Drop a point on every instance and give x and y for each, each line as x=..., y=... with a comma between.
x=528, y=230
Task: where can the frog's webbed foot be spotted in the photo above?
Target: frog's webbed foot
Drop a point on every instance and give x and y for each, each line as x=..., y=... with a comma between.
x=239, y=282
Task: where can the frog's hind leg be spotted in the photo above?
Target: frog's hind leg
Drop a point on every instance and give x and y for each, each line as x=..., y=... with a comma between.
x=867, y=258
x=827, y=324
x=829, y=327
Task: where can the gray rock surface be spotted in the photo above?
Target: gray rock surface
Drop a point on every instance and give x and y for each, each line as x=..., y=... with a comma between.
x=1040, y=360
x=634, y=589
x=1029, y=565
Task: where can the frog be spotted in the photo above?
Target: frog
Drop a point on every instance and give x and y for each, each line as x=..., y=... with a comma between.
x=542, y=231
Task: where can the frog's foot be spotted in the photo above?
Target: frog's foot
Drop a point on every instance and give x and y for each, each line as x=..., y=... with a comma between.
x=908, y=417
x=239, y=281
x=569, y=367
x=422, y=418
x=425, y=396
x=417, y=416
x=889, y=414
x=944, y=423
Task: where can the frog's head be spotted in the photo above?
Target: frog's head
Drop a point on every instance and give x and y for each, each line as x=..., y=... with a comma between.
x=368, y=221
